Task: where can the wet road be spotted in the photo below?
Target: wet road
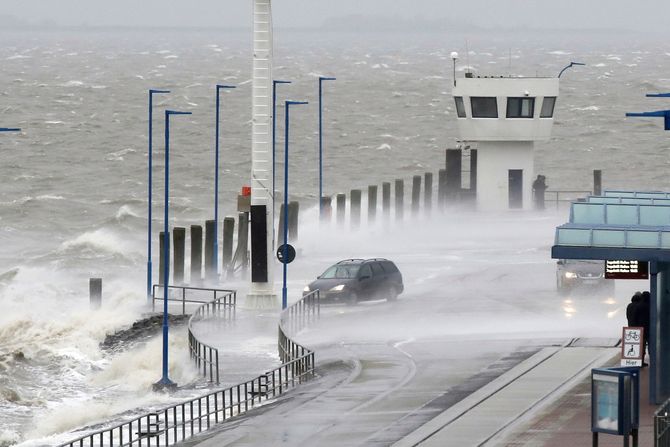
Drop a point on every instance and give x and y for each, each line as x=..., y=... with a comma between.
x=479, y=299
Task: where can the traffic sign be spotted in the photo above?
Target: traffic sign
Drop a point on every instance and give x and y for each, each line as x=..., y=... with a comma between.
x=290, y=253
x=631, y=346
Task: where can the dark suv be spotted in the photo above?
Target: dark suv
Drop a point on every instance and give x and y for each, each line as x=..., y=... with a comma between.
x=354, y=280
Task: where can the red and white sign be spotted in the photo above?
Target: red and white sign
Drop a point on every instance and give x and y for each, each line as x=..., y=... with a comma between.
x=631, y=346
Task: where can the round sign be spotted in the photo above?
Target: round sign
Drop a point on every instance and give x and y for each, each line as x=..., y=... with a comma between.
x=290, y=253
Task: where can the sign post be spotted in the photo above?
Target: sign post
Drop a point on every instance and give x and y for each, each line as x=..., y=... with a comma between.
x=631, y=346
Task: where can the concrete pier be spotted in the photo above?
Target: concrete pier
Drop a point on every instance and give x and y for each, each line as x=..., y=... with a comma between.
x=327, y=209
x=597, y=182
x=441, y=188
x=293, y=219
x=161, y=257
x=280, y=225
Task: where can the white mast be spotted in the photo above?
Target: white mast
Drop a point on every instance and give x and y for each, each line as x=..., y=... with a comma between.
x=261, y=292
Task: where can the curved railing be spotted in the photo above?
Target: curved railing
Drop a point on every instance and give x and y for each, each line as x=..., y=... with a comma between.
x=206, y=357
x=184, y=420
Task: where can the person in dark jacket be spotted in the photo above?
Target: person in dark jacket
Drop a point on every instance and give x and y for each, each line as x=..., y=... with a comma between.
x=631, y=308
x=642, y=317
x=539, y=187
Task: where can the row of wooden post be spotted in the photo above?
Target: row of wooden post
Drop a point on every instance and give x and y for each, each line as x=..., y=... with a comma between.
x=419, y=183
x=230, y=258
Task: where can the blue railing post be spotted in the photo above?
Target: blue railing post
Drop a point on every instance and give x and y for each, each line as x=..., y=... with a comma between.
x=216, y=179
x=284, y=297
x=321, y=79
x=149, y=187
x=165, y=381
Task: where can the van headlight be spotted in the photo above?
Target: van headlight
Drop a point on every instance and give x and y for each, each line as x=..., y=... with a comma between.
x=306, y=289
x=337, y=288
x=570, y=275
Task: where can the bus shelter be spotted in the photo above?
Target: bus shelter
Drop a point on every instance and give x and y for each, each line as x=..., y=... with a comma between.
x=629, y=226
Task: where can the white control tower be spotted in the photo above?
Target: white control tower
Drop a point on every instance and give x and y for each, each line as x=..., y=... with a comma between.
x=502, y=117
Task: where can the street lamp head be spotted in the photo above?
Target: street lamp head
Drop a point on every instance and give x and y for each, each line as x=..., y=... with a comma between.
x=152, y=91
x=454, y=55
x=290, y=103
x=174, y=112
x=277, y=81
x=9, y=129
x=325, y=78
x=219, y=86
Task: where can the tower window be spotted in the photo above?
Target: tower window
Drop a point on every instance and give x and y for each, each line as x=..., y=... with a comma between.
x=460, y=107
x=520, y=107
x=548, y=107
x=484, y=107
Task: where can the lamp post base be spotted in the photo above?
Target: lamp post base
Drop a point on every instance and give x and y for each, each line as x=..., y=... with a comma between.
x=261, y=301
x=163, y=385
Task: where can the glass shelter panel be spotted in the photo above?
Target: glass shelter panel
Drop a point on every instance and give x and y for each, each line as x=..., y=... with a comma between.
x=606, y=402
x=643, y=239
x=655, y=215
x=609, y=238
x=622, y=214
x=484, y=106
x=573, y=236
x=588, y=213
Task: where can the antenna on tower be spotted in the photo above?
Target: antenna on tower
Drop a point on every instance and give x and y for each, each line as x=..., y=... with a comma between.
x=467, y=57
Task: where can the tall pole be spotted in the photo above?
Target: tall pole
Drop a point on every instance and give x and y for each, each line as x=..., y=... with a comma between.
x=284, y=294
x=165, y=381
x=321, y=79
x=274, y=143
x=216, y=179
x=261, y=291
x=150, y=187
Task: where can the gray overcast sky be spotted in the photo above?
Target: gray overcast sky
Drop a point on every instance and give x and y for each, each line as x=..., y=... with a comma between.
x=646, y=15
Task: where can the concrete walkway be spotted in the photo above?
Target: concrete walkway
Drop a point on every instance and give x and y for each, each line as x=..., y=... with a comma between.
x=488, y=415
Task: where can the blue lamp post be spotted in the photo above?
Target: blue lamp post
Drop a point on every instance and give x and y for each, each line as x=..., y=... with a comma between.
x=216, y=178
x=274, y=142
x=165, y=382
x=9, y=129
x=284, y=299
x=321, y=79
x=149, y=186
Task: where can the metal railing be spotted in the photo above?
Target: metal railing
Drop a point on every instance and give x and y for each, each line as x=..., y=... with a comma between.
x=206, y=357
x=662, y=425
x=207, y=295
x=565, y=197
x=181, y=421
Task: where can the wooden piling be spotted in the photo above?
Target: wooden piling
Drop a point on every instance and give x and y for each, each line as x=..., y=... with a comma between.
x=454, y=173
x=416, y=195
x=228, y=233
x=293, y=219
x=210, y=268
x=372, y=204
x=327, y=209
x=386, y=200
x=597, y=182
x=341, y=206
x=399, y=199
x=179, y=241
x=441, y=188
x=280, y=225
x=95, y=292
x=162, y=256
x=355, y=208
x=243, y=240
x=428, y=192
x=196, y=255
